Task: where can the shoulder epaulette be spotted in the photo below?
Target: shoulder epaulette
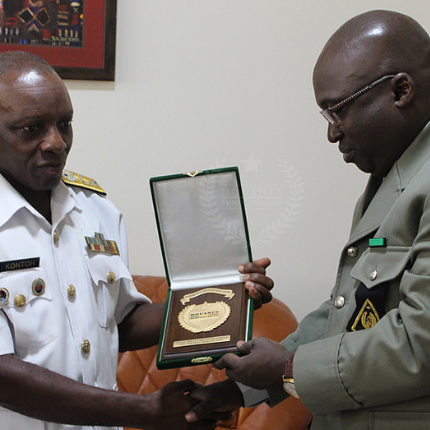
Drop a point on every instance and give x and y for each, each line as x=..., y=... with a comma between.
x=77, y=180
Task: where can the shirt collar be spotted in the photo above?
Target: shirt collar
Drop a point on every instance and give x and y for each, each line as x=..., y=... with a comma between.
x=12, y=201
x=413, y=159
x=62, y=202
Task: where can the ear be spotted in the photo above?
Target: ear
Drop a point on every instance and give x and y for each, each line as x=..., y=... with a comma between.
x=403, y=87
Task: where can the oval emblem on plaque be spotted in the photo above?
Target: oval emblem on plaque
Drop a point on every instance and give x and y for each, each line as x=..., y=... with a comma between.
x=204, y=317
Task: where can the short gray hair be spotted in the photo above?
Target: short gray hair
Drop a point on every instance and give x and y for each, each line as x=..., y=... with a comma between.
x=19, y=61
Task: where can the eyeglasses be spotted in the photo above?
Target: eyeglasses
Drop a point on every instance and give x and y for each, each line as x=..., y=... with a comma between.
x=330, y=114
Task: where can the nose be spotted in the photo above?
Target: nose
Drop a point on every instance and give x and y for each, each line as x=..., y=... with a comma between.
x=334, y=133
x=54, y=141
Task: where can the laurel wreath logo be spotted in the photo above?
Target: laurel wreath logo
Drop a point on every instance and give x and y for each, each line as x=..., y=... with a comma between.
x=210, y=199
x=209, y=193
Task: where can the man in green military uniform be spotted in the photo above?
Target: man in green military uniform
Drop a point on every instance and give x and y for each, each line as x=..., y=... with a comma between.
x=361, y=361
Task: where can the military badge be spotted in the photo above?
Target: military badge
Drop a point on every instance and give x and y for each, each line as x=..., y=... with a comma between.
x=38, y=287
x=98, y=243
x=4, y=296
x=370, y=307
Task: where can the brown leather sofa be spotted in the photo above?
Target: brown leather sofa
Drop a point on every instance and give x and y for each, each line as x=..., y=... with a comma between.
x=137, y=371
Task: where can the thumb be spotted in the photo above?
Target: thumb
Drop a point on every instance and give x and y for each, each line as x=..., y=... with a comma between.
x=265, y=262
x=186, y=385
x=244, y=347
x=197, y=413
x=226, y=361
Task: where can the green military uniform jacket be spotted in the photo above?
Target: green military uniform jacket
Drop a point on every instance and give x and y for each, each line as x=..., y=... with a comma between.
x=377, y=378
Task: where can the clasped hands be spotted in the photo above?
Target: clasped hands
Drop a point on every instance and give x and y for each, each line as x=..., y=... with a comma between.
x=260, y=367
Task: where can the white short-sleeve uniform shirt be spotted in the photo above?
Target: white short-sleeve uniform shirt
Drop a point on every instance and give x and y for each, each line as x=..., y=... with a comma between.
x=60, y=303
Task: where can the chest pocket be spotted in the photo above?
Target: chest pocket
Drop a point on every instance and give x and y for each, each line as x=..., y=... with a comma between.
x=379, y=265
x=106, y=272
x=376, y=270
x=27, y=302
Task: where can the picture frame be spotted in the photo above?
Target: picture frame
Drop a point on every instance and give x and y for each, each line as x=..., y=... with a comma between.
x=87, y=53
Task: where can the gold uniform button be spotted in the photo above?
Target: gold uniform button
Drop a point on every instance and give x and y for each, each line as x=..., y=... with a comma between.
x=111, y=277
x=85, y=346
x=352, y=251
x=373, y=275
x=71, y=291
x=56, y=236
x=20, y=301
x=339, y=302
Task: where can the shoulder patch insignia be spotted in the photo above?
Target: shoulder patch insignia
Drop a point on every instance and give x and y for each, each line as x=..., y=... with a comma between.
x=77, y=180
x=366, y=318
x=370, y=307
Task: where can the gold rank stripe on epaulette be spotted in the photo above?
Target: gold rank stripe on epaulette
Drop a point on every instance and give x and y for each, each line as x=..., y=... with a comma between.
x=77, y=180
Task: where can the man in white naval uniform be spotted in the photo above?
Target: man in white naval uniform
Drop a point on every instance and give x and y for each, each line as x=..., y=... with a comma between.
x=67, y=300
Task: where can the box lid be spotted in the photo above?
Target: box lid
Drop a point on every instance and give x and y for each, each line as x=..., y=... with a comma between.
x=202, y=225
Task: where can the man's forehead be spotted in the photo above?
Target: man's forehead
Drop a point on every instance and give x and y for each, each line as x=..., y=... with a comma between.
x=354, y=56
x=26, y=80
x=331, y=80
x=340, y=72
x=27, y=90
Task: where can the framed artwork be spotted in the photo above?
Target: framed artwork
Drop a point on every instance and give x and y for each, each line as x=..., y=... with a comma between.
x=77, y=37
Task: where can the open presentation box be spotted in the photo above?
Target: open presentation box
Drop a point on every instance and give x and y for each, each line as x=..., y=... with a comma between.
x=204, y=237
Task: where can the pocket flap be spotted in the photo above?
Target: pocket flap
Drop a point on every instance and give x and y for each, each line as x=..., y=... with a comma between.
x=378, y=265
x=103, y=266
x=28, y=285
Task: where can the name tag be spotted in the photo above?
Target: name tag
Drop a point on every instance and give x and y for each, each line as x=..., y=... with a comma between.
x=25, y=263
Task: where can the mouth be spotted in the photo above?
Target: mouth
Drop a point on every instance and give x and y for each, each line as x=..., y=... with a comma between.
x=52, y=168
x=348, y=154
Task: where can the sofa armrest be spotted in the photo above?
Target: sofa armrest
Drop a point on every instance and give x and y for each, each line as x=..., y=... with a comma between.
x=138, y=373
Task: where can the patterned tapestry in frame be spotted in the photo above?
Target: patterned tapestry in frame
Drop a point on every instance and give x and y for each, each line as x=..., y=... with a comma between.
x=77, y=37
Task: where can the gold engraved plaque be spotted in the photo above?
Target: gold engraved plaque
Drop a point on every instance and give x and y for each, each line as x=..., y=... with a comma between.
x=204, y=317
x=203, y=322
x=203, y=341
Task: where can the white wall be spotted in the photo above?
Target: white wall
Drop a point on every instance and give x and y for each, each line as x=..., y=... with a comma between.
x=213, y=83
